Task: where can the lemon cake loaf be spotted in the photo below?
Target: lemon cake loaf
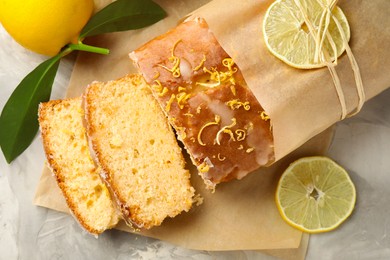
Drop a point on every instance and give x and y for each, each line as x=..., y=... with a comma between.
x=137, y=150
x=67, y=151
x=202, y=91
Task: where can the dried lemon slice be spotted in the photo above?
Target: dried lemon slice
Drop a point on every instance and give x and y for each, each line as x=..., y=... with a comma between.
x=289, y=37
x=315, y=194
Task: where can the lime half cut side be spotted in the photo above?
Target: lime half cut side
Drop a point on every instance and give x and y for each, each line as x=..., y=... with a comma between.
x=315, y=194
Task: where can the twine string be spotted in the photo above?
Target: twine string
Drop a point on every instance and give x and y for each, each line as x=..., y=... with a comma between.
x=322, y=55
x=355, y=69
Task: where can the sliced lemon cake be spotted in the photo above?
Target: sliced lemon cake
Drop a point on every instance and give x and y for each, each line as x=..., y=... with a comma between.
x=67, y=151
x=205, y=96
x=138, y=151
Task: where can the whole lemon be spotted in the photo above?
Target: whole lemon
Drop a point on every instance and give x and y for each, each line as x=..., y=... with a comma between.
x=45, y=26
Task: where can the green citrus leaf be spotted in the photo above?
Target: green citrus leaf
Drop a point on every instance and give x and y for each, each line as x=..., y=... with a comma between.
x=123, y=15
x=19, y=118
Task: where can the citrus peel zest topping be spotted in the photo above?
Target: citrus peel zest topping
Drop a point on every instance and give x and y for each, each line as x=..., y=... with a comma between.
x=216, y=122
x=226, y=129
x=175, y=70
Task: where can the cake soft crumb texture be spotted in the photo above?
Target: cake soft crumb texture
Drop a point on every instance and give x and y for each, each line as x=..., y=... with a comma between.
x=138, y=151
x=68, y=155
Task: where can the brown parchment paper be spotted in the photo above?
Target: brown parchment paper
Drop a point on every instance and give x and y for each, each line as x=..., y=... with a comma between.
x=302, y=103
x=240, y=215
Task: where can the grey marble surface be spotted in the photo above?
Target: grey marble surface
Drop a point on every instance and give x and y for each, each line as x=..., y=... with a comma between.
x=361, y=144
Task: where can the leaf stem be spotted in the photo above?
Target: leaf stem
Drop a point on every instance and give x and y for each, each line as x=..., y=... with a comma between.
x=84, y=47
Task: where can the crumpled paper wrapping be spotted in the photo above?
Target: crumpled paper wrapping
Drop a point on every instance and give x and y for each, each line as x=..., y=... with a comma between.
x=241, y=215
x=302, y=103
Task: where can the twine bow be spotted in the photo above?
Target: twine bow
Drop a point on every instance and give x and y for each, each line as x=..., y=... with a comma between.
x=322, y=55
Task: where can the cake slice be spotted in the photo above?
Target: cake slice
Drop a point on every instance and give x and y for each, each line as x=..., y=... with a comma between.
x=67, y=151
x=137, y=150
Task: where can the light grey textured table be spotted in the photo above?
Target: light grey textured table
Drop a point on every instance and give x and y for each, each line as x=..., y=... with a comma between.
x=361, y=144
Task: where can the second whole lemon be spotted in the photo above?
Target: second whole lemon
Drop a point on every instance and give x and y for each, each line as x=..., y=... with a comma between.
x=45, y=26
